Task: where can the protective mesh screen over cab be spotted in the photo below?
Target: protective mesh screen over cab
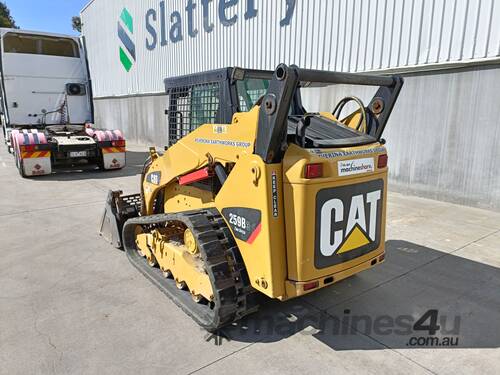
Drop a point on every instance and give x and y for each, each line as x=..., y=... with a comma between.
x=190, y=107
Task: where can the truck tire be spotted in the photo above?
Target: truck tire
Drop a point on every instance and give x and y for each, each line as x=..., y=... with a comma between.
x=100, y=161
x=20, y=168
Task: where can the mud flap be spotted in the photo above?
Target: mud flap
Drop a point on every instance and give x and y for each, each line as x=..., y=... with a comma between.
x=112, y=146
x=118, y=209
x=35, y=166
x=113, y=160
x=32, y=152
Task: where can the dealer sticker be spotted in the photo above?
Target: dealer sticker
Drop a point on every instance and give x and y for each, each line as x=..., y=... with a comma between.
x=355, y=166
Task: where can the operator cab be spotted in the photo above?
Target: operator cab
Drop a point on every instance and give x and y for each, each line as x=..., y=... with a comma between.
x=214, y=97
x=318, y=129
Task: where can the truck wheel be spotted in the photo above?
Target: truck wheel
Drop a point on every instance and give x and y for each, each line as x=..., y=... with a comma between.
x=100, y=162
x=20, y=168
x=4, y=131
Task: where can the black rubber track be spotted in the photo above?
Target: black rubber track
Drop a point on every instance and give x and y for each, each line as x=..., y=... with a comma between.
x=233, y=295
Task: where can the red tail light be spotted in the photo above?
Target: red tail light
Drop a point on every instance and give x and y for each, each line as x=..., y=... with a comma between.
x=314, y=170
x=119, y=143
x=311, y=285
x=382, y=161
x=28, y=148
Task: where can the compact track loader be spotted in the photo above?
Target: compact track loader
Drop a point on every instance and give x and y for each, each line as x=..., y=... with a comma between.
x=255, y=194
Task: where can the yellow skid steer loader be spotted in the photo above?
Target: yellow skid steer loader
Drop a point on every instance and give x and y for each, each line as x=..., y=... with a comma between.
x=255, y=194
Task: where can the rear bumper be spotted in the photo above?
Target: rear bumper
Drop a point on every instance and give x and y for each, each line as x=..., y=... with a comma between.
x=112, y=157
x=65, y=152
x=300, y=288
x=36, y=153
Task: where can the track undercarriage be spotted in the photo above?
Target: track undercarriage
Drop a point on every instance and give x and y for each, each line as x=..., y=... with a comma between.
x=193, y=259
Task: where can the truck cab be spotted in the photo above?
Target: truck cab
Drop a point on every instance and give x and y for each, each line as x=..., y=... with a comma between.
x=45, y=105
x=44, y=80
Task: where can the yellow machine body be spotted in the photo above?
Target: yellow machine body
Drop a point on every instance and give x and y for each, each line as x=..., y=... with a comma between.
x=284, y=255
x=256, y=195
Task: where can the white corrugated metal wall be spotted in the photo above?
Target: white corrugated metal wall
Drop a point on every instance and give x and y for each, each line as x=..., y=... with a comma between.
x=344, y=35
x=443, y=134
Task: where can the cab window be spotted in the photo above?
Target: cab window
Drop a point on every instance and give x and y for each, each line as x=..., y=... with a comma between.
x=40, y=45
x=249, y=91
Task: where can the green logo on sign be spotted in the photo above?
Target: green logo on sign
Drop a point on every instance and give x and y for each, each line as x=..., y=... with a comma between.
x=125, y=34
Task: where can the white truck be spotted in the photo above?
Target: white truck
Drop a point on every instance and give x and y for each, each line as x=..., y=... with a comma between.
x=46, y=106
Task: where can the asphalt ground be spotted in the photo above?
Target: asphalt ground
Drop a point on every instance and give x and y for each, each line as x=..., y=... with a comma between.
x=72, y=304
